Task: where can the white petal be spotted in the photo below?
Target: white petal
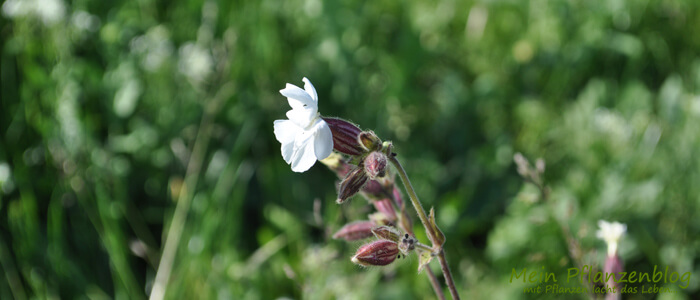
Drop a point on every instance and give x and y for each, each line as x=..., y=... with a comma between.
x=323, y=141
x=303, y=157
x=287, y=152
x=310, y=90
x=298, y=98
x=301, y=117
x=286, y=132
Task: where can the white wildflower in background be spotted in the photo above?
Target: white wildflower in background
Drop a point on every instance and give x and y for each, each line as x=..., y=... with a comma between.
x=154, y=48
x=195, y=62
x=305, y=137
x=48, y=11
x=611, y=232
x=84, y=21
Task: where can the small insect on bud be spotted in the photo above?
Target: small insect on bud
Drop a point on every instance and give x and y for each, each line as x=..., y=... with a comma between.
x=345, y=136
x=352, y=184
x=375, y=164
x=370, y=141
x=387, y=233
x=355, y=231
x=377, y=253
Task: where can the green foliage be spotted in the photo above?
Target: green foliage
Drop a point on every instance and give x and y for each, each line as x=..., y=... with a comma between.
x=102, y=103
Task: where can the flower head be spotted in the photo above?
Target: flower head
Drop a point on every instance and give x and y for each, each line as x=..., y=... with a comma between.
x=611, y=232
x=305, y=137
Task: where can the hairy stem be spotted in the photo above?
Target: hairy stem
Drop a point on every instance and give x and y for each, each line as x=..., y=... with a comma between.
x=432, y=235
x=434, y=282
x=448, y=275
x=431, y=276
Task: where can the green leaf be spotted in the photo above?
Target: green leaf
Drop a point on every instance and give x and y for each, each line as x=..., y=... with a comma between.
x=424, y=258
x=439, y=236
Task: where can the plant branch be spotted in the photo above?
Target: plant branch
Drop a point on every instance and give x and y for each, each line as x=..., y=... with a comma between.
x=432, y=235
x=434, y=282
x=429, y=272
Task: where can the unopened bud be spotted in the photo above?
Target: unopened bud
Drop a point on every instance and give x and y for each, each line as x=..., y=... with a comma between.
x=375, y=164
x=397, y=197
x=370, y=141
x=345, y=136
x=355, y=231
x=387, y=233
x=377, y=253
x=352, y=184
x=379, y=218
x=373, y=189
x=385, y=207
x=337, y=163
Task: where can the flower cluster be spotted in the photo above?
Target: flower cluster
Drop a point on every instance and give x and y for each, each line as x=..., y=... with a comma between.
x=360, y=161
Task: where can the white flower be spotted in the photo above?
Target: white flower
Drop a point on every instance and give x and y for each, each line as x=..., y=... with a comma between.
x=611, y=232
x=305, y=137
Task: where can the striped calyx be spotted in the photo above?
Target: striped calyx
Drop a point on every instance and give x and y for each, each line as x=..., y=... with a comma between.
x=377, y=253
x=345, y=136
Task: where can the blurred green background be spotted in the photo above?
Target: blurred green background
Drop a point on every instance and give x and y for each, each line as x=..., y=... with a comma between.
x=105, y=104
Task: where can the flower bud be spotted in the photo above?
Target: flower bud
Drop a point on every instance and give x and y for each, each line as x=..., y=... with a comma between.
x=377, y=253
x=374, y=190
x=379, y=218
x=337, y=163
x=387, y=233
x=375, y=164
x=345, y=136
x=370, y=141
x=385, y=207
x=397, y=197
x=355, y=231
x=352, y=184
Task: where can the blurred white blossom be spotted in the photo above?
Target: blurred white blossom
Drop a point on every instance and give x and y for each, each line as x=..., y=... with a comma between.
x=48, y=11
x=154, y=47
x=85, y=21
x=611, y=232
x=195, y=62
x=305, y=137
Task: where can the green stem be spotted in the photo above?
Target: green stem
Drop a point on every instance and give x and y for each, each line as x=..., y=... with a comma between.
x=194, y=165
x=434, y=282
x=177, y=225
x=424, y=247
x=429, y=272
x=414, y=198
x=432, y=235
